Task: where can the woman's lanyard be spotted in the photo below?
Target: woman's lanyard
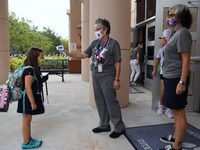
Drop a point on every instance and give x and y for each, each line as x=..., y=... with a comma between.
x=100, y=49
x=170, y=37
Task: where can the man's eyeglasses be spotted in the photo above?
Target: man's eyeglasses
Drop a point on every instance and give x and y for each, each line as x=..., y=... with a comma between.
x=171, y=15
x=97, y=29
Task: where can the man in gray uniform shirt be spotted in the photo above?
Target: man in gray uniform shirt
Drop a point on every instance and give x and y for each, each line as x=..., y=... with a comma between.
x=105, y=68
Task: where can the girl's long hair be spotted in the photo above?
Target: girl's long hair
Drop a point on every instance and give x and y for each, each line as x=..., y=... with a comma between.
x=32, y=59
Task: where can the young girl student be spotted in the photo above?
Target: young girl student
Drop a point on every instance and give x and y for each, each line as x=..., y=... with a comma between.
x=159, y=58
x=33, y=101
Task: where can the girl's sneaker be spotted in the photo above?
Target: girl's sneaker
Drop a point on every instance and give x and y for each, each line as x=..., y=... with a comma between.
x=160, y=109
x=169, y=113
x=31, y=145
x=36, y=141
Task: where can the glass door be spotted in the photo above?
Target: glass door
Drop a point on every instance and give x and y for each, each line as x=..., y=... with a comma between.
x=149, y=57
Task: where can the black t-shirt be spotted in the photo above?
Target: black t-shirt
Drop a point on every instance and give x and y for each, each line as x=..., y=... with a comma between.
x=36, y=88
x=35, y=84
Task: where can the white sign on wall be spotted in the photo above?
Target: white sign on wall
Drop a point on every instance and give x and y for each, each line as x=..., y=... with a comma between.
x=73, y=46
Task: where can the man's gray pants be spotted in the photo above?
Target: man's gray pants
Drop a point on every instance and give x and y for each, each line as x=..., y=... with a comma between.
x=106, y=102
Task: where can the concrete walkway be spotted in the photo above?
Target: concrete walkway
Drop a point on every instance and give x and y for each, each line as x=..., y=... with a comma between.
x=68, y=120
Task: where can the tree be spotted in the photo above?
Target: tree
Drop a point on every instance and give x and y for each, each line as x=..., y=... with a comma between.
x=65, y=43
x=41, y=41
x=18, y=31
x=22, y=36
x=54, y=38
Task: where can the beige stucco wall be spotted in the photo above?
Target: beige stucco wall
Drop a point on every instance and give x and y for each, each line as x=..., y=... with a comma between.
x=118, y=13
x=133, y=13
x=4, y=41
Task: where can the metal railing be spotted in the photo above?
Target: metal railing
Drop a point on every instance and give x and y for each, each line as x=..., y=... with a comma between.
x=195, y=59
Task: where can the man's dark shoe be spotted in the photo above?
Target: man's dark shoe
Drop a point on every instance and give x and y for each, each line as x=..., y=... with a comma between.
x=116, y=135
x=168, y=139
x=99, y=130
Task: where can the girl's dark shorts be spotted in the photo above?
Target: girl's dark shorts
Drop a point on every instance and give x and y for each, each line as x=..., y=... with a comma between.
x=161, y=77
x=171, y=99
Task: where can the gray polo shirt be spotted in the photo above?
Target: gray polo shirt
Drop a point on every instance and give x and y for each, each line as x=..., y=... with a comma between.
x=110, y=54
x=179, y=43
x=134, y=53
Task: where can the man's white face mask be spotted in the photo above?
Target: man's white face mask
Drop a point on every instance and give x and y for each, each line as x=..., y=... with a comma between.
x=99, y=35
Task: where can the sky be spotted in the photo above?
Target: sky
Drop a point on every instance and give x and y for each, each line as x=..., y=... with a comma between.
x=44, y=13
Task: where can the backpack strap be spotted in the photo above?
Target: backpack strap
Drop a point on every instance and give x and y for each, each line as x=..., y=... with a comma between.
x=34, y=76
x=24, y=102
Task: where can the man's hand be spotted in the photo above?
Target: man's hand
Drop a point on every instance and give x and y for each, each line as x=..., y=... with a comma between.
x=180, y=88
x=116, y=85
x=75, y=55
x=66, y=52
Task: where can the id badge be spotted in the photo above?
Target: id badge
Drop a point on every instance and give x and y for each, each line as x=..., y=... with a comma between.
x=100, y=68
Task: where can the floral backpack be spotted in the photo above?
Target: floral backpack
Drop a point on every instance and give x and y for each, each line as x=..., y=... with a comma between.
x=15, y=82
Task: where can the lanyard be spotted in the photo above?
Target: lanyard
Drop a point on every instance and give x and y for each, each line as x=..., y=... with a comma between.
x=170, y=37
x=100, y=49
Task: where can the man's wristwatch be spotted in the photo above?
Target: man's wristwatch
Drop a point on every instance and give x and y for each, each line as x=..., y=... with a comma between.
x=183, y=83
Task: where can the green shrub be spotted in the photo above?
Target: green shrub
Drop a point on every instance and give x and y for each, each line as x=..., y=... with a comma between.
x=56, y=57
x=59, y=63
x=16, y=62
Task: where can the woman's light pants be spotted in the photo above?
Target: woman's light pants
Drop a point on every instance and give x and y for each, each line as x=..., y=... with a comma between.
x=135, y=70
